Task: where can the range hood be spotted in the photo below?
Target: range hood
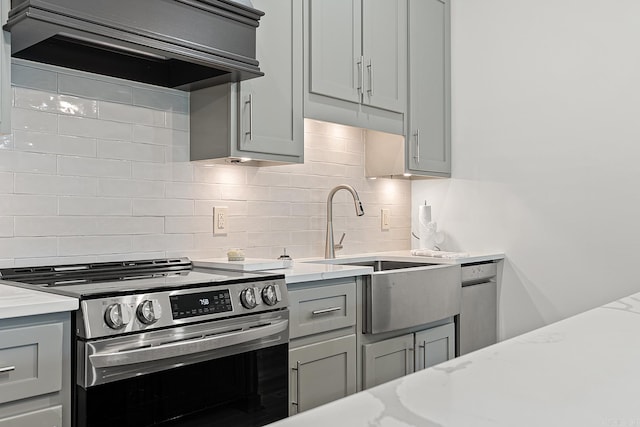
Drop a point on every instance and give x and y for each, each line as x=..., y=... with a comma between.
x=181, y=44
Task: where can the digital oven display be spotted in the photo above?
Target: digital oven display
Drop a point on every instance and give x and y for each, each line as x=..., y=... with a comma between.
x=200, y=304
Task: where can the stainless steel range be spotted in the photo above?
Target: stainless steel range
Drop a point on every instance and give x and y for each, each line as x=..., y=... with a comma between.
x=161, y=343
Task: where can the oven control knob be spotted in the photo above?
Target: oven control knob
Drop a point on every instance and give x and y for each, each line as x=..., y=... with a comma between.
x=270, y=295
x=117, y=315
x=149, y=311
x=248, y=298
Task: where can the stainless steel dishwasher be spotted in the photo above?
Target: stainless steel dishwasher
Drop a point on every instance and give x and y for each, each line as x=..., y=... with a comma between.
x=478, y=321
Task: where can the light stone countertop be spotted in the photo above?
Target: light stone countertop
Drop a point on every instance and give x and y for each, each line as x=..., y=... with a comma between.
x=20, y=302
x=313, y=269
x=581, y=371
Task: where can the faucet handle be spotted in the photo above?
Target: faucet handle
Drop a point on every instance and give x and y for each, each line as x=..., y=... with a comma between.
x=339, y=246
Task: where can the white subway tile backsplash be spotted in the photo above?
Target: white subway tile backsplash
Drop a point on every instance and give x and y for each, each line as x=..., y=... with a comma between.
x=268, y=209
x=162, y=207
x=23, y=119
x=94, y=88
x=130, y=114
x=94, y=206
x=54, y=103
x=33, y=77
x=177, y=120
x=54, y=184
x=17, y=247
x=82, y=166
x=188, y=224
x=130, y=188
x=154, y=242
x=167, y=100
x=180, y=172
x=192, y=190
x=130, y=151
x=94, y=245
x=222, y=174
x=94, y=128
x=19, y=204
x=6, y=142
x=6, y=226
x=41, y=142
x=98, y=169
x=6, y=183
x=153, y=135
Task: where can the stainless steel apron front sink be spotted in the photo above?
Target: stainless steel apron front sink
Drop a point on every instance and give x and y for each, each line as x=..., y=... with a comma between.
x=401, y=294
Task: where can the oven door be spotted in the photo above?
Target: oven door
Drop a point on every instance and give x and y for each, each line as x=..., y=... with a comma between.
x=225, y=373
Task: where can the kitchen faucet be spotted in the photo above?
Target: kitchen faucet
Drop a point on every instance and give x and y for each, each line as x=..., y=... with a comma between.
x=329, y=247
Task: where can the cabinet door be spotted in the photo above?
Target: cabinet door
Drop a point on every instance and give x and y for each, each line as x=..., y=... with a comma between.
x=321, y=373
x=5, y=71
x=429, y=87
x=384, y=41
x=335, y=48
x=50, y=417
x=271, y=119
x=387, y=360
x=30, y=361
x=435, y=345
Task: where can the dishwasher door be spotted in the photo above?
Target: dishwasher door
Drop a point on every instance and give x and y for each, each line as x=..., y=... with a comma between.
x=478, y=317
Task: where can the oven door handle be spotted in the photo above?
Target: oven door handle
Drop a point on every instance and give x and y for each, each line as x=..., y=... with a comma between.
x=183, y=348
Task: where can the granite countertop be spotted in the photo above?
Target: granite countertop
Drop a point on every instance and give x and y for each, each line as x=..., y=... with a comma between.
x=581, y=371
x=19, y=302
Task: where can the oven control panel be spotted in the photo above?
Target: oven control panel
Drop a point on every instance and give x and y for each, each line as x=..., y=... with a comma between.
x=146, y=311
x=201, y=303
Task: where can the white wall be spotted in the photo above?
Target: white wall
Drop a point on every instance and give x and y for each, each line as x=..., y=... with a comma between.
x=98, y=169
x=546, y=151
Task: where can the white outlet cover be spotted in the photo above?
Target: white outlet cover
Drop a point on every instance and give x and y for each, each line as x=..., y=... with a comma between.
x=220, y=220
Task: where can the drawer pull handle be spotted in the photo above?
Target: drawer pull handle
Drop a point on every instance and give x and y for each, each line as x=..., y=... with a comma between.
x=7, y=369
x=325, y=311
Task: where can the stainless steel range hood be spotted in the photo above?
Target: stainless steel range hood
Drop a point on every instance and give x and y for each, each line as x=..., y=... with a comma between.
x=182, y=44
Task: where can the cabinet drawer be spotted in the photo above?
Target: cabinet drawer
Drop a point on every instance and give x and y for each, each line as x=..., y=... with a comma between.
x=30, y=361
x=50, y=417
x=321, y=309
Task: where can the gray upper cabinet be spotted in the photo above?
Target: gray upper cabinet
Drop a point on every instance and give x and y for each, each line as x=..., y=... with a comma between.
x=384, y=47
x=356, y=62
x=429, y=136
x=5, y=71
x=259, y=119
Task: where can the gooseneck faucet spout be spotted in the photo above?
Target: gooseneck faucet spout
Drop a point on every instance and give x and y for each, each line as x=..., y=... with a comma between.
x=329, y=248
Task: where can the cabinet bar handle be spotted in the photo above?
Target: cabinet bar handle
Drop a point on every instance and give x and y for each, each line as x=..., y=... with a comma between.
x=250, y=102
x=417, y=156
x=325, y=311
x=360, y=65
x=370, y=70
x=296, y=403
x=7, y=369
x=423, y=356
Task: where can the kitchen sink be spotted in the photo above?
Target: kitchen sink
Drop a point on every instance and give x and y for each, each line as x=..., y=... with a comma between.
x=404, y=294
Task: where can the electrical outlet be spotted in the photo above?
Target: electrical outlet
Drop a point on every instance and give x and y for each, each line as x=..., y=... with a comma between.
x=385, y=219
x=220, y=223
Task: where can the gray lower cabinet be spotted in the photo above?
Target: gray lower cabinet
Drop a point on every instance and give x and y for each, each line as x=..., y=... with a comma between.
x=322, y=372
x=356, y=62
x=429, y=132
x=387, y=360
x=434, y=346
x=259, y=119
x=322, y=350
x=396, y=357
x=35, y=371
